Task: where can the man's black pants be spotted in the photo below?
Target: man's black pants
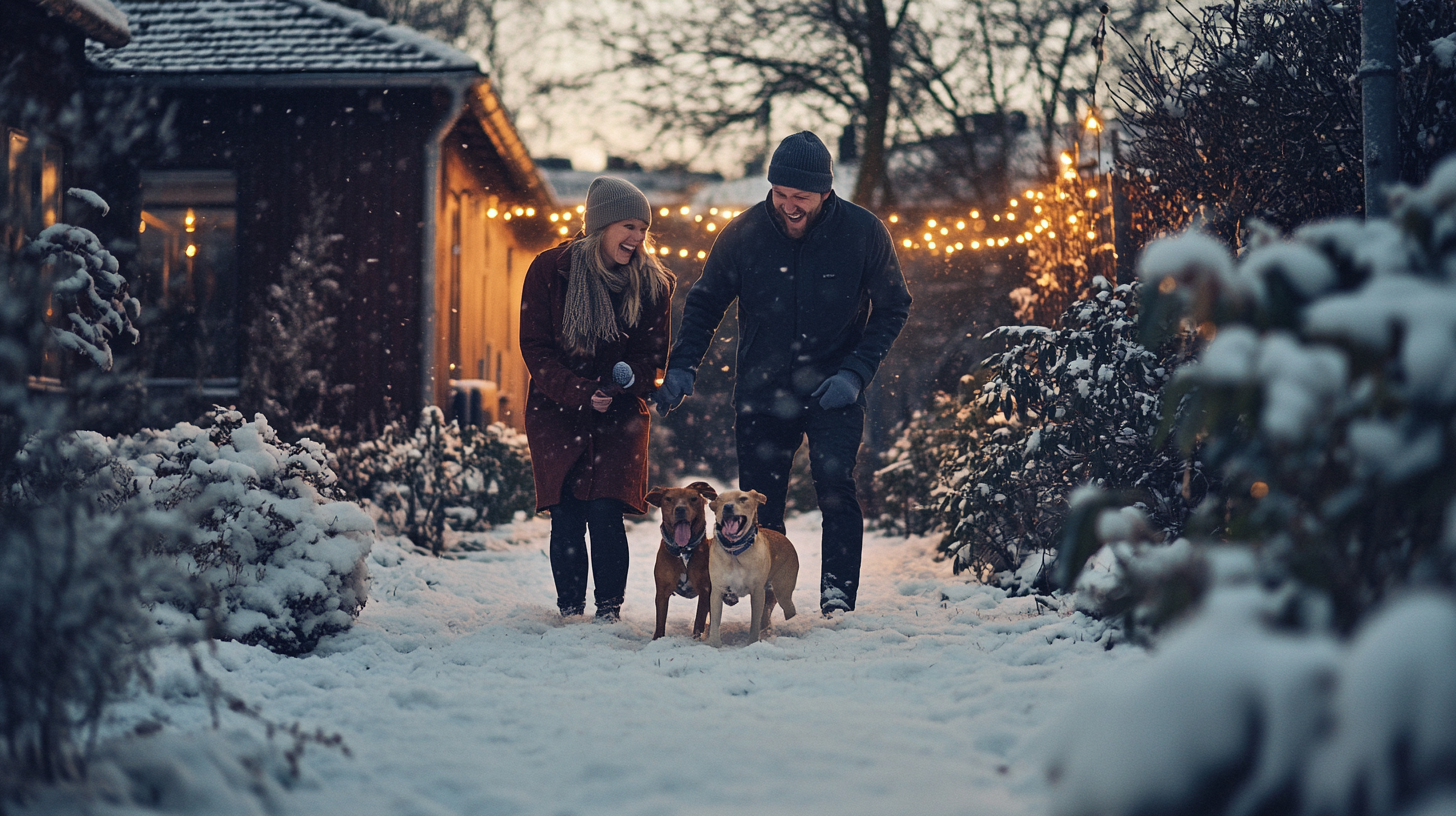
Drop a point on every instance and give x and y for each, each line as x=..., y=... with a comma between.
x=766, y=447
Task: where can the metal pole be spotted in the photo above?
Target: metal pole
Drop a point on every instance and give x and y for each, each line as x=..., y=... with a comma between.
x=1378, y=65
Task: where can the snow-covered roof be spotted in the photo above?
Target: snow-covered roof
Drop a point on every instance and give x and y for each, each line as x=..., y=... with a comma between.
x=98, y=19
x=268, y=36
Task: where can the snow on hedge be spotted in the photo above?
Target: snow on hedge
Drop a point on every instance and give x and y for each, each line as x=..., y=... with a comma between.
x=1240, y=717
x=253, y=516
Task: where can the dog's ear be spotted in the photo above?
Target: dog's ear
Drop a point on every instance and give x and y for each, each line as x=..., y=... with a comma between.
x=654, y=497
x=704, y=489
x=716, y=504
x=758, y=497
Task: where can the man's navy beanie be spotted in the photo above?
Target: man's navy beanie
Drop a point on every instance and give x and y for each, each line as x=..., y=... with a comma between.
x=802, y=161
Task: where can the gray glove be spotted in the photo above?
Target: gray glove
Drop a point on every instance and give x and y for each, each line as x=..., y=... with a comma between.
x=677, y=385
x=839, y=391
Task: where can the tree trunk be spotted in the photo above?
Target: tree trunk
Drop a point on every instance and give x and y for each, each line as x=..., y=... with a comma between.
x=877, y=107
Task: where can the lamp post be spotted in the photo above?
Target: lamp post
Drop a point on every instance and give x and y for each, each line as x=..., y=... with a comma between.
x=1378, y=65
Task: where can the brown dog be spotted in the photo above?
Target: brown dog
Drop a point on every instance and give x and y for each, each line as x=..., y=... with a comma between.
x=747, y=560
x=682, y=558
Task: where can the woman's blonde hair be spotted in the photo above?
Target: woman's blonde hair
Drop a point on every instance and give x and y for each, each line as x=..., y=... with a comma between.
x=590, y=317
x=647, y=278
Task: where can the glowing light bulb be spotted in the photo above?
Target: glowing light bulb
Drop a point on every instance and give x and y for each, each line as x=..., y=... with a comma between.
x=662, y=212
x=702, y=254
x=1092, y=193
x=684, y=210
x=975, y=213
x=1066, y=159
x=960, y=225
x=530, y=212
x=191, y=250
x=906, y=243
x=894, y=219
x=682, y=253
x=555, y=217
x=491, y=213
x=930, y=223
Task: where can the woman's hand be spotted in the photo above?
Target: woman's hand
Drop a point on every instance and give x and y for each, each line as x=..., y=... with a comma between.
x=600, y=402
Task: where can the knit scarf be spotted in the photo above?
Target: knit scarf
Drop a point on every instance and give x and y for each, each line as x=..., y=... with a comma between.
x=590, y=316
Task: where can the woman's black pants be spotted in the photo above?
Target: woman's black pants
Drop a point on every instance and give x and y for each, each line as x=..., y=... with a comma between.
x=570, y=521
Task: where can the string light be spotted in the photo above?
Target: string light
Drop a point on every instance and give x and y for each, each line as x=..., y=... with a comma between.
x=934, y=237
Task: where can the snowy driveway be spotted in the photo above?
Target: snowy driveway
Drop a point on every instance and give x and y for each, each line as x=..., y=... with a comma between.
x=459, y=691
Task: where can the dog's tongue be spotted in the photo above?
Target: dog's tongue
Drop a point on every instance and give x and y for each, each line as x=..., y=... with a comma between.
x=682, y=533
x=732, y=525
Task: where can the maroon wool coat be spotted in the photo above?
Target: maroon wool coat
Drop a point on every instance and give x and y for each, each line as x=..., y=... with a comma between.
x=604, y=454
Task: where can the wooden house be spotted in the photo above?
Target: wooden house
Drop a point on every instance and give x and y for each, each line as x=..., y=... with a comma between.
x=42, y=68
x=295, y=119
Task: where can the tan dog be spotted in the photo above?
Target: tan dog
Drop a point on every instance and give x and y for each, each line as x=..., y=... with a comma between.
x=682, y=557
x=746, y=560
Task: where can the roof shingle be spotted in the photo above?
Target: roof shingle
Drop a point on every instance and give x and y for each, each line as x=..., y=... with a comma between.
x=268, y=36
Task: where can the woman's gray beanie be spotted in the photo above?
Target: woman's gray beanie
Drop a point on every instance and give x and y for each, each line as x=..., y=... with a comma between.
x=802, y=161
x=609, y=200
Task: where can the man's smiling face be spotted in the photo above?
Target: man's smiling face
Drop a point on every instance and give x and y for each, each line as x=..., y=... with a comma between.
x=797, y=208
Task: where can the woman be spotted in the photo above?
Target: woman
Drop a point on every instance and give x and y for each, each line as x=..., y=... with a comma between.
x=598, y=300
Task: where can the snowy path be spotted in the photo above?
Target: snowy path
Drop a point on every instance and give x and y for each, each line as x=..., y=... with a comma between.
x=460, y=691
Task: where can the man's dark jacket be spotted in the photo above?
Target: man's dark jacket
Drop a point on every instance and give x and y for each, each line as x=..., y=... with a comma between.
x=833, y=299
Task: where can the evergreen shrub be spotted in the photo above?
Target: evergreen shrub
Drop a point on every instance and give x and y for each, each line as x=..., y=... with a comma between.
x=1063, y=408
x=436, y=474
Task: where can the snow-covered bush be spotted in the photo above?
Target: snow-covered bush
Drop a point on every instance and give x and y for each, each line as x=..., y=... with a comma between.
x=908, y=482
x=420, y=479
x=1254, y=112
x=76, y=587
x=253, y=517
x=1235, y=716
x=1064, y=408
x=1327, y=397
x=85, y=288
x=290, y=373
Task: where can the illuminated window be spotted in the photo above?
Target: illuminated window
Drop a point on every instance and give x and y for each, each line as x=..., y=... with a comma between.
x=186, y=278
x=30, y=190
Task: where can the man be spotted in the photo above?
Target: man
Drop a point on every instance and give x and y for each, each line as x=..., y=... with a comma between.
x=820, y=299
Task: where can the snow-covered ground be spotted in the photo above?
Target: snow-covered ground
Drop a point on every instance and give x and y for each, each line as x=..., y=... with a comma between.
x=461, y=691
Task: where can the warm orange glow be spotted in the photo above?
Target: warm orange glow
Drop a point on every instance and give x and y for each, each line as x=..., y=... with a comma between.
x=975, y=213
x=960, y=225
x=684, y=210
x=682, y=253
x=1259, y=490
x=1092, y=193
x=894, y=219
x=702, y=254
x=190, y=221
x=906, y=243
x=930, y=223
x=142, y=227
x=662, y=212
x=555, y=217
x=191, y=250
x=492, y=212
x=531, y=212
